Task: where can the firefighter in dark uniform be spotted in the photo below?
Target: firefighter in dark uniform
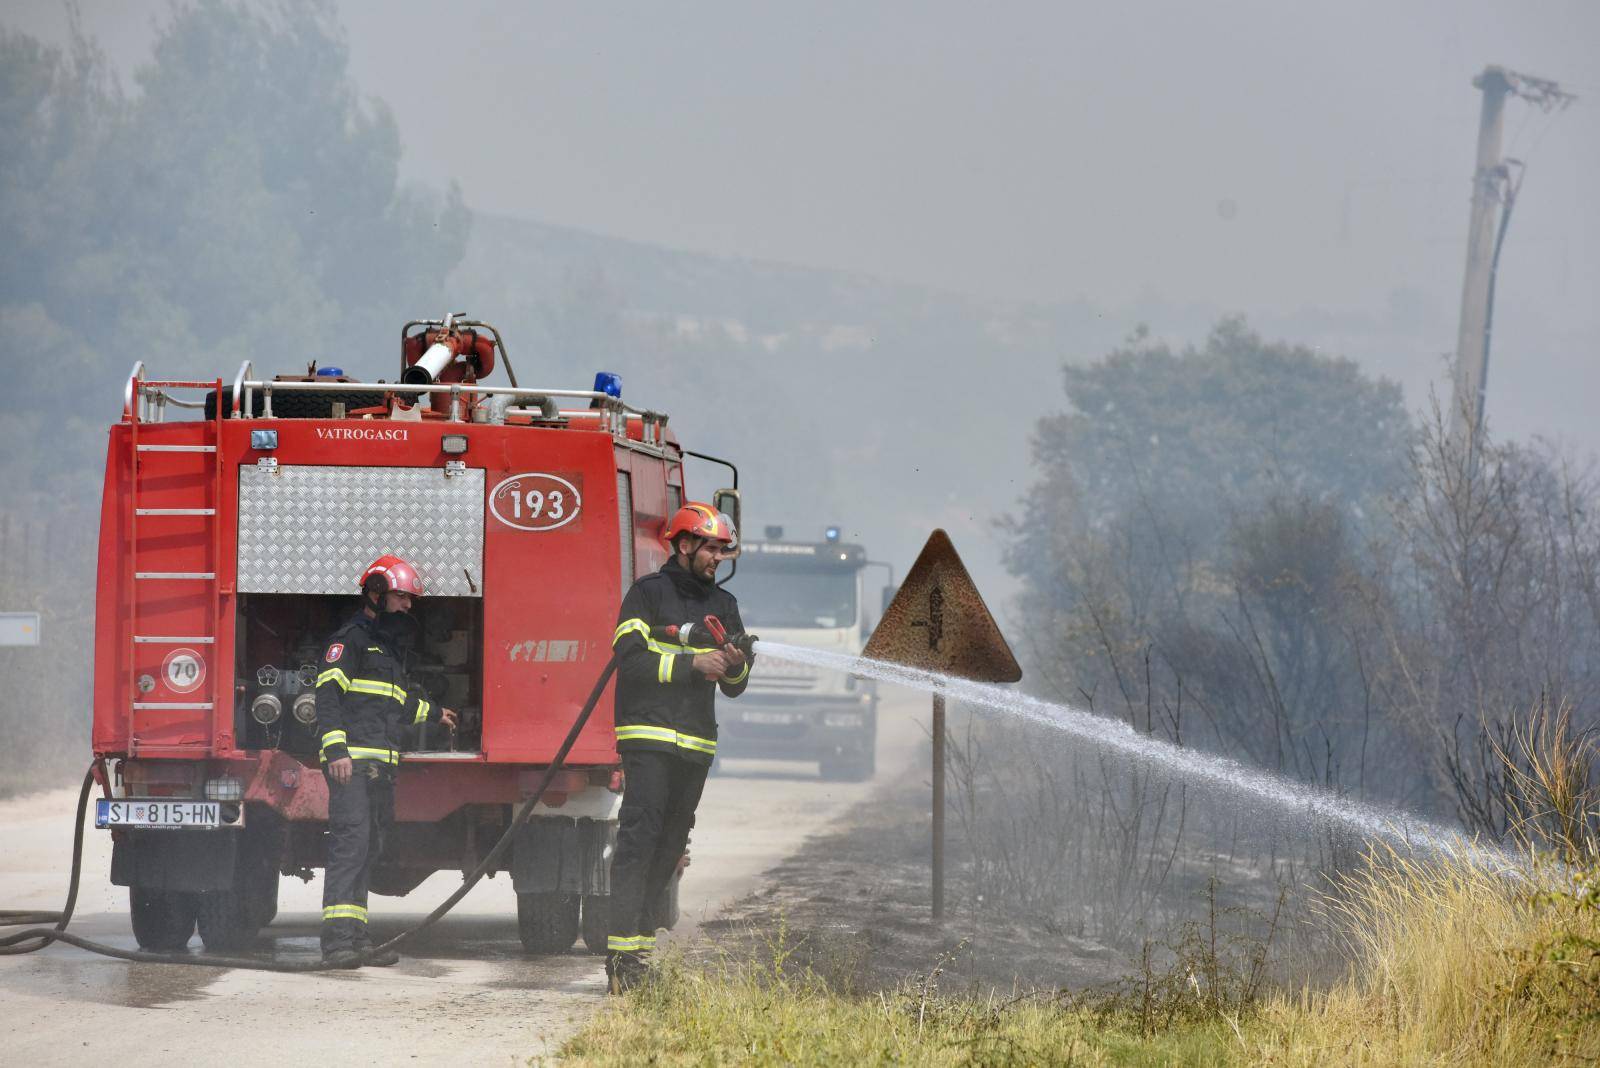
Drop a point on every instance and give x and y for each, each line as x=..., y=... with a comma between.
x=365, y=704
x=666, y=726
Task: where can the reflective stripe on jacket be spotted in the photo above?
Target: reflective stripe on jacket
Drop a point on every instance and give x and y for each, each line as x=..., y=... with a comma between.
x=662, y=702
x=365, y=702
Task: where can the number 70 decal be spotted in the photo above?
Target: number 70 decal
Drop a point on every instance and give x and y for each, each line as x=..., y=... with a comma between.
x=535, y=501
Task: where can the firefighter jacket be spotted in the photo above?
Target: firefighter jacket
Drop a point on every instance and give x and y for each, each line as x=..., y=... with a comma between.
x=365, y=702
x=662, y=702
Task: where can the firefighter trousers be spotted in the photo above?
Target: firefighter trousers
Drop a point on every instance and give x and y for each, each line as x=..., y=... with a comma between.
x=359, y=814
x=660, y=793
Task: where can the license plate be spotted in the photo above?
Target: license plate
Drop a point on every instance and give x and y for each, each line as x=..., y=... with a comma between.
x=152, y=812
x=775, y=719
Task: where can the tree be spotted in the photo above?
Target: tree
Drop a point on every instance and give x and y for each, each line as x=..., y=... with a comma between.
x=242, y=203
x=1179, y=440
x=1196, y=538
x=244, y=193
x=1495, y=610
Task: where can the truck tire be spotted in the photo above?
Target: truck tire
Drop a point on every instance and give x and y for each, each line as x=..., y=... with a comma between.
x=263, y=902
x=857, y=766
x=596, y=922
x=255, y=880
x=230, y=919
x=225, y=921
x=163, y=920
x=547, y=923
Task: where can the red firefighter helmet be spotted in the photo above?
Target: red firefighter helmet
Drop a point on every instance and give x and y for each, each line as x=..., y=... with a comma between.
x=701, y=520
x=392, y=573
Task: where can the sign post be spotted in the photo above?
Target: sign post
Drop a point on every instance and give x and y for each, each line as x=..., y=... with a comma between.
x=939, y=623
x=938, y=807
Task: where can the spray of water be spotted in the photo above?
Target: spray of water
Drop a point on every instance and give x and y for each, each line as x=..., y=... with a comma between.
x=1403, y=830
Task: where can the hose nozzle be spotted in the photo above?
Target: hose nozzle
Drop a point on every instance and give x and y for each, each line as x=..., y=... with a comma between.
x=740, y=640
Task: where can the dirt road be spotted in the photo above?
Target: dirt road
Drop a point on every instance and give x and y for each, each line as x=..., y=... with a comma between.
x=464, y=994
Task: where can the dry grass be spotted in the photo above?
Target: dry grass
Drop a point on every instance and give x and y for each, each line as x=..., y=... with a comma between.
x=762, y=1008
x=1552, y=802
x=1454, y=961
x=1452, y=964
x=764, y=1013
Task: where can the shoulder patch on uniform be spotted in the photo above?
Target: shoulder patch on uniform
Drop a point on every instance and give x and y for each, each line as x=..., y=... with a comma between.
x=335, y=651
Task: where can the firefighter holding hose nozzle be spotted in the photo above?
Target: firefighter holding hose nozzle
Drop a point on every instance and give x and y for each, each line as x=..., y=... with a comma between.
x=365, y=704
x=678, y=640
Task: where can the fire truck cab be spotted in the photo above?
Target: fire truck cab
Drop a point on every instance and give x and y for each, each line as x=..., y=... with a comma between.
x=230, y=548
x=808, y=594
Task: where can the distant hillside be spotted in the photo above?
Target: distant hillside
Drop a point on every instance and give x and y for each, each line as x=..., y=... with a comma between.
x=884, y=407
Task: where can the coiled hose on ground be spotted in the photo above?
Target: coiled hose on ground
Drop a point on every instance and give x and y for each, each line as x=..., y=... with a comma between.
x=36, y=938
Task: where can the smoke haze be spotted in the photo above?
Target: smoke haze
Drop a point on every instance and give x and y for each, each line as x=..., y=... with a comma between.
x=852, y=245
x=1300, y=164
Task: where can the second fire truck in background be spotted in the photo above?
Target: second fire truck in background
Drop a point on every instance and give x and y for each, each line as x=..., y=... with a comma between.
x=811, y=594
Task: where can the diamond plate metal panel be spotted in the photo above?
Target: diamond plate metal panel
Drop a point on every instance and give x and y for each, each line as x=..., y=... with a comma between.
x=306, y=529
x=625, y=527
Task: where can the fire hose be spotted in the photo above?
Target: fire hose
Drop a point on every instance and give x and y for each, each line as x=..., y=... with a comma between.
x=36, y=938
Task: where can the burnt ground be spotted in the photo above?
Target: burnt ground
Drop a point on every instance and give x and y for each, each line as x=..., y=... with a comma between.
x=854, y=904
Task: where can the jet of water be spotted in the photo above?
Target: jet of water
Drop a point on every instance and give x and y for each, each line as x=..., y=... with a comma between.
x=1392, y=825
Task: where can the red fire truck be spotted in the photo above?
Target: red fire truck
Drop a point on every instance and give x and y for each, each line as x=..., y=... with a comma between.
x=230, y=546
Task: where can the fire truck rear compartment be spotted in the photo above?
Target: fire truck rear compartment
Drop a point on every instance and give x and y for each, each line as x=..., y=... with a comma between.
x=305, y=533
x=282, y=642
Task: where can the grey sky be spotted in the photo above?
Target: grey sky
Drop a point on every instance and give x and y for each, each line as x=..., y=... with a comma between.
x=1254, y=155
x=1040, y=150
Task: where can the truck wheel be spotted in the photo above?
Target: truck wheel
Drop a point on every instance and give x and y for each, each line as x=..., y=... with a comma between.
x=255, y=883
x=225, y=921
x=229, y=920
x=162, y=920
x=848, y=767
x=547, y=923
x=262, y=900
x=596, y=922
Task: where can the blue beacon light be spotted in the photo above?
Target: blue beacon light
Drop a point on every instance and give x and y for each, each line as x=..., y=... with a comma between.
x=608, y=383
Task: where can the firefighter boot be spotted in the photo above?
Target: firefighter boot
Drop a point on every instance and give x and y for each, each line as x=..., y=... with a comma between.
x=340, y=938
x=624, y=971
x=385, y=958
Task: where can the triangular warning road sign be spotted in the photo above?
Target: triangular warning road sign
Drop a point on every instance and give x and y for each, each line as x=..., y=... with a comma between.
x=938, y=622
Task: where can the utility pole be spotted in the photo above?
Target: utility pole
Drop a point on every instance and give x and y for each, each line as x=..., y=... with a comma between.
x=1493, y=195
x=1472, y=344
